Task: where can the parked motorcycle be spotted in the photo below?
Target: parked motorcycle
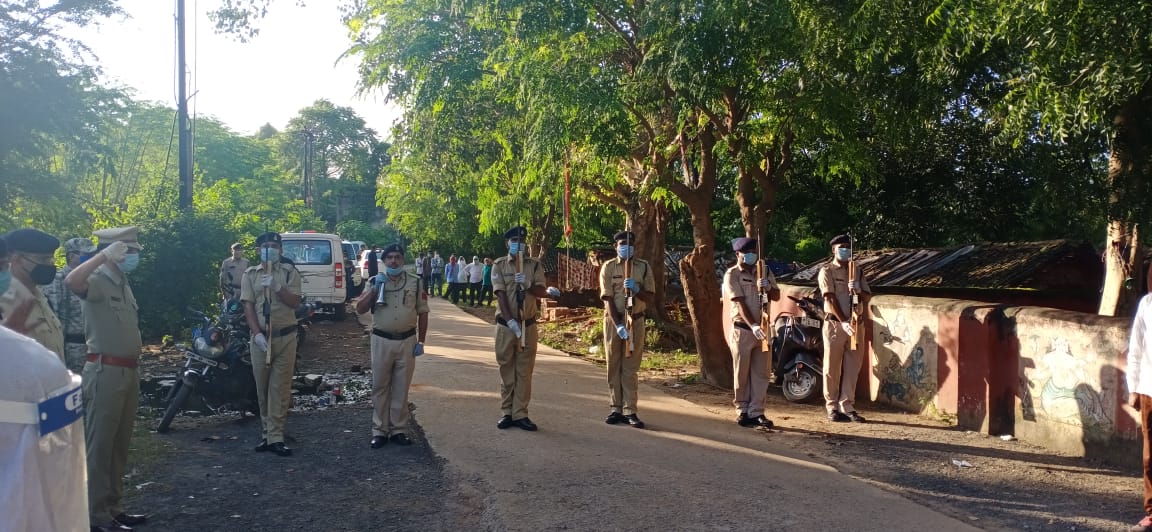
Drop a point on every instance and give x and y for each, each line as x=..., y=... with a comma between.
x=798, y=351
x=304, y=314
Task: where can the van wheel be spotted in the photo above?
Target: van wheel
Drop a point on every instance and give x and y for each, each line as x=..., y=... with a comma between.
x=340, y=312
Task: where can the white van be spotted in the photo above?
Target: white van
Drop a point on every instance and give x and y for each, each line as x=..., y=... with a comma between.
x=320, y=259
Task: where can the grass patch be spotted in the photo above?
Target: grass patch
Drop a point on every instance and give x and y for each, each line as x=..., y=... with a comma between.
x=674, y=360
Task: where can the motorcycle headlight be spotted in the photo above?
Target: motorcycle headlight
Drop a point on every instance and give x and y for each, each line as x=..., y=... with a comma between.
x=205, y=347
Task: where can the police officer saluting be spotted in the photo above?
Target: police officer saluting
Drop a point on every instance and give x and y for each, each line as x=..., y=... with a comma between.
x=270, y=293
x=31, y=254
x=516, y=334
x=399, y=326
x=111, y=383
x=623, y=348
x=749, y=361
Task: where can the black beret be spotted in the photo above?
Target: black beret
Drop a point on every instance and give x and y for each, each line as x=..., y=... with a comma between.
x=31, y=241
x=627, y=236
x=390, y=248
x=270, y=236
x=743, y=244
x=518, y=231
x=841, y=239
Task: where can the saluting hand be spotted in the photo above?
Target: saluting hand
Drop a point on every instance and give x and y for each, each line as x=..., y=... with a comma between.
x=115, y=251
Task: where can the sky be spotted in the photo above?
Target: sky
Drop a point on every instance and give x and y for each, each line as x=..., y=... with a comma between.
x=289, y=65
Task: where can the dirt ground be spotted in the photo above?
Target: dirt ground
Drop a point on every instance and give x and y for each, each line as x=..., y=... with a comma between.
x=209, y=478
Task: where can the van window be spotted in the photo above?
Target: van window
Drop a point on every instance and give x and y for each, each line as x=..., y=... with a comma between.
x=308, y=252
x=349, y=250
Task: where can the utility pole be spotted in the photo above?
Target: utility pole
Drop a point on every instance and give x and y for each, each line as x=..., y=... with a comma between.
x=184, y=124
x=308, y=136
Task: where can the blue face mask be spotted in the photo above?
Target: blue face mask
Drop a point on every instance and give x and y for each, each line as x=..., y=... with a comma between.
x=750, y=258
x=514, y=247
x=844, y=253
x=84, y=258
x=131, y=261
x=5, y=280
x=269, y=255
x=625, y=251
x=393, y=272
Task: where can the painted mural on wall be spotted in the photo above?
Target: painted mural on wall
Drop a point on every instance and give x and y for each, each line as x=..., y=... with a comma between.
x=905, y=347
x=1062, y=384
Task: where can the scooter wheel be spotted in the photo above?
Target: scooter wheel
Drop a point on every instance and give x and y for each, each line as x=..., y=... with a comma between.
x=801, y=386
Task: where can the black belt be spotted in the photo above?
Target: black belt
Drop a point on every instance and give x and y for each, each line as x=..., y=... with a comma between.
x=75, y=339
x=741, y=325
x=285, y=331
x=504, y=322
x=394, y=336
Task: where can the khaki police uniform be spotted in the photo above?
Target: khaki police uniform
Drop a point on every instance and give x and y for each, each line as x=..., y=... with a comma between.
x=67, y=307
x=111, y=387
x=749, y=361
x=42, y=324
x=394, y=339
x=273, y=381
x=841, y=365
x=623, y=382
x=231, y=272
x=516, y=363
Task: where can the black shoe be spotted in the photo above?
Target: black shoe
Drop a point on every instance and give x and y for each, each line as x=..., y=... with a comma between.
x=280, y=449
x=856, y=417
x=744, y=420
x=262, y=447
x=131, y=519
x=634, y=421
x=400, y=439
x=505, y=422
x=762, y=421
x=379, y=441
x=525, y=424
x=837, y=417
x=614, y=418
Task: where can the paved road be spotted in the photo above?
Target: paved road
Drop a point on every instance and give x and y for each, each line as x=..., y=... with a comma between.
x=691, y=469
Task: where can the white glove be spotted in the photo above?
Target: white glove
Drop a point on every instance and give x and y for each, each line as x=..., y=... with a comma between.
x=115, y=251
x=553, y=292
x=261, y=342
x=758, y=332
x=622, y=332
x=519, y=278
x=514, y=326
x=630, y=284
x=848, y=328
x=269, y=280
x=765, y=283
x=854, y=285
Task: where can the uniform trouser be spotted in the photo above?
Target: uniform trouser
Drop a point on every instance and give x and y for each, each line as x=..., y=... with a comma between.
x=1146, y=432
x=392, y=367
x=623, y=383
x=749, y=372
x=274, y=384
x=75, y=356
x=110, y=397
x=516, y=364
x=841, y=369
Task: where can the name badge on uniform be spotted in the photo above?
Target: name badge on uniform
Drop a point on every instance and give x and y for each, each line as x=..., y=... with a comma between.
x=62, y=409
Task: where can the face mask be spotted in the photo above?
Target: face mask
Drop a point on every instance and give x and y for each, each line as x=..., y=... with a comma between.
x=625, y=251
x=750, y=258
x=43, y=274
x=269, y=255
x=5, y=281
x=844, y=253
x=514, y=247
x=393, y=272
x=131, y=261
x=84, y=258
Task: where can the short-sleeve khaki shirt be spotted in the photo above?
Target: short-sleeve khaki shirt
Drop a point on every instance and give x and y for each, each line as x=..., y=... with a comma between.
x=612, y=283
x=250, y=290
x=833, y=279
x=44, y=326
x=404, y=302
x=112, y=320
x=504, y=280
x=231, y=271
x=742, y=284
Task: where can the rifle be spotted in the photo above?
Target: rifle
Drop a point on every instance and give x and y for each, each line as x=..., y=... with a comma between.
x=520, y=297
x=854, y=342
x=765, y=303
x=267, y=265
x=628, y=304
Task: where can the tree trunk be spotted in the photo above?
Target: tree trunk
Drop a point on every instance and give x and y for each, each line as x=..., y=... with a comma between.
x=648, y=222
x=1127, y=181
x=702, y=293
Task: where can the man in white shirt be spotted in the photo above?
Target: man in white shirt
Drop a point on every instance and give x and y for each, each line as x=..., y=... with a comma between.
x=1139, y=377
x=475, y=272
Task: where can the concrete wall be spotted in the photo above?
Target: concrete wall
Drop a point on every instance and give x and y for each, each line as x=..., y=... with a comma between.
x=1051, y=377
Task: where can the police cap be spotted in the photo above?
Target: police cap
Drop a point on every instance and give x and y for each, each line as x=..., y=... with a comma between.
x=128, y=235
x=744, y=244
x=269, y=237
x=626, y=236
x=31, y=241
x=843, y=240
x=516, y=232
x=392, y=248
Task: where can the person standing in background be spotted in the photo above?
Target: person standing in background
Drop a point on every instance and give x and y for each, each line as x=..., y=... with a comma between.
x=67, y=305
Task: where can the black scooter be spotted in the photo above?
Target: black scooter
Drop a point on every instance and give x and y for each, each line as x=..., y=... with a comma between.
x=798, y=351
